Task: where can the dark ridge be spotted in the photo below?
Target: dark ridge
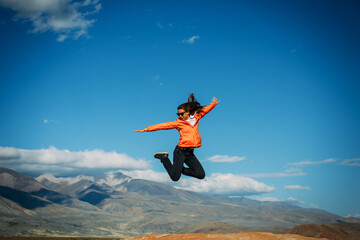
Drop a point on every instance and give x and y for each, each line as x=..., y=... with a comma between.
x=51, y=196
x=24, y=199
x=94, y=198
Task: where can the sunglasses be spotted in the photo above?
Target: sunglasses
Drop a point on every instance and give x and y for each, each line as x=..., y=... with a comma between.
x=180, y=114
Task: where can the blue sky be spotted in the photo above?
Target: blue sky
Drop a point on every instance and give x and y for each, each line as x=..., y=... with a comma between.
x=78, y=77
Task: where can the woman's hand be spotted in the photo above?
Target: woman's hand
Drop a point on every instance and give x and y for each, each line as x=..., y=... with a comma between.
x=215, y=100
x=141, y=130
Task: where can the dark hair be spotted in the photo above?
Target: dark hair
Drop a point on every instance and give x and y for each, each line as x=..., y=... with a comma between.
x=192, y=105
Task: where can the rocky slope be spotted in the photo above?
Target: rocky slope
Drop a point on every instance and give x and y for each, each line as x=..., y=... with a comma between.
x=15, y=180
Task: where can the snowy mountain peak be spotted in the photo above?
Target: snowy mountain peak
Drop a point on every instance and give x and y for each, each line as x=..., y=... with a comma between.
x=113, y=180
x=64, y=180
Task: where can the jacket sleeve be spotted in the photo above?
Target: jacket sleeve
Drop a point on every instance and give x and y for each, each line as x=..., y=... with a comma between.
x=206, y=110
x=161, y=126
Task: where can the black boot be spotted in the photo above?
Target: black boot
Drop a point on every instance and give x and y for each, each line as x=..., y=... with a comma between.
x=161, y=155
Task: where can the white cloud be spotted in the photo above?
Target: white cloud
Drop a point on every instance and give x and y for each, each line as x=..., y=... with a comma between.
x=294, y=201
x=46, y=121
x=64, y=17
x=267, y=199
x=156, y=77
x=191, y=40
x=159, y=25
x=314, y=206
x=61, y=38
x=290, y=200
x=274, y=175
x=219, y=183
x=149, y=174
x=225, y=158
x=303, y=163
x=53, y=160
x=296, y=187
x=355, y=162
x=9, y=153
x=293, y=170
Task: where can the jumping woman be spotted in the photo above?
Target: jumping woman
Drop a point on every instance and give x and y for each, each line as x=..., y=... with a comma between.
x=188, y=126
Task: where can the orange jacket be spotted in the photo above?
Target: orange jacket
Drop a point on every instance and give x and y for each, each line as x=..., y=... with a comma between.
x=189, y=135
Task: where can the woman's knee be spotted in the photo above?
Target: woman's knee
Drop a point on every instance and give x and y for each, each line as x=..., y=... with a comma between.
x=201, y=175
x=175, y=179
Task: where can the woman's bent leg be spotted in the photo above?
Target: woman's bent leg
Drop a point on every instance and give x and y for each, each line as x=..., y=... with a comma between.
x=195, y=168
x=174, y=170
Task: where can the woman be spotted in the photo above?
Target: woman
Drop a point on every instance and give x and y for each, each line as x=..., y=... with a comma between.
x=188, y=126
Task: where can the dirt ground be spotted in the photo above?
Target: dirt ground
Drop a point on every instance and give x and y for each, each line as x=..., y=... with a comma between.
x=235, y=236
x=56, y=238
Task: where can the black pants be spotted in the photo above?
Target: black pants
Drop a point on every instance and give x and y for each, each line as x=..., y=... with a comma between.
x=183, y=155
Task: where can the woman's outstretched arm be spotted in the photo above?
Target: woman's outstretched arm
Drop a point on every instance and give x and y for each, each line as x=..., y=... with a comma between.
x=160, y=126
x=141, y=130
x=208, y=108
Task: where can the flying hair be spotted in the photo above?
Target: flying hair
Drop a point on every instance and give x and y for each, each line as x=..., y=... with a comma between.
x=192, y=105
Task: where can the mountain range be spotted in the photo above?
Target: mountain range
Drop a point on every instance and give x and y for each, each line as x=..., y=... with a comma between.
x=120, y=206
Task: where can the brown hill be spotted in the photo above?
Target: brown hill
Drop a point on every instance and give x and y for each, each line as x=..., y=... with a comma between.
x=213, y=228
x=349, y=227
x=233, y=236
x=331, y=232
